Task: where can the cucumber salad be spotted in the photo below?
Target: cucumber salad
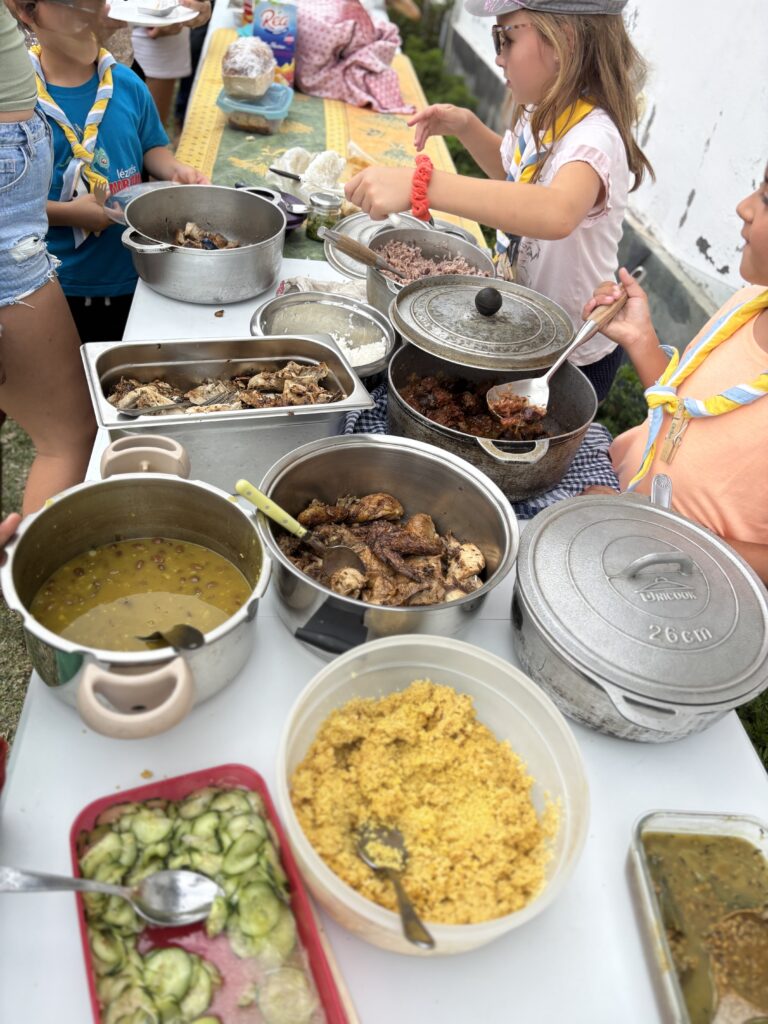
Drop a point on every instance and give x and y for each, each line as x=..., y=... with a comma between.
x=244, y=965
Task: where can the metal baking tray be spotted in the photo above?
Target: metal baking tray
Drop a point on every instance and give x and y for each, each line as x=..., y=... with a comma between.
x=223, y=446
x=740, y=826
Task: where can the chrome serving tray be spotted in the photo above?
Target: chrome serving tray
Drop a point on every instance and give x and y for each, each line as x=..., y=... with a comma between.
x=223, y=446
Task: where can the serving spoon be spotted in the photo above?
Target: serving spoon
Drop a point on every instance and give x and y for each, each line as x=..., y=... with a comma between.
x=181, y=638
x=166, y=899
x=535, y=390
x=381, y=847
x=334, y=556
x=362, y=253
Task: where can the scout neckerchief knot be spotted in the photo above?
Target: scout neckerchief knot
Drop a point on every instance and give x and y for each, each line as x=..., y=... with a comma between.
x=80, y=168
x=528, y=155
x=663, y=396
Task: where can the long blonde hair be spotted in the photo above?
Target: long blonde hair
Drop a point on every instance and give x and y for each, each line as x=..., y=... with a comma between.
x=597, y=61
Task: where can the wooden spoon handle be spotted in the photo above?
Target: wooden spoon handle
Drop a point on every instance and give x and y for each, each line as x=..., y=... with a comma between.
x=602, y=315
x=357, y=251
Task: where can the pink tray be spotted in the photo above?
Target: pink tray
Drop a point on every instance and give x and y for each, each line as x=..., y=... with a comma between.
x=232, y=775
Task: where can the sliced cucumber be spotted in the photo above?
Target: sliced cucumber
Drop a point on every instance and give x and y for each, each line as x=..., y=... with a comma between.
x=243, y=823
x=140, y=873
x=242, y=945
x=121, y=916
x=281, y=941
x=198, y=802
x=255, y=802
x=217, y=919
x=258, y=909
x=113, y=986
x=129, y=850
x=286, y=998
x=150, y=827
x=248, y=995
x=242, y=854
x=109, y=949
x=208, y=863
x=167, y=973
x=134, y=1005
x=198, y=998
x=107, y=849
x=231, y=800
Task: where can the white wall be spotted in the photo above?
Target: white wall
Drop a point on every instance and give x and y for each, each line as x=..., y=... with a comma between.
x=705, y=126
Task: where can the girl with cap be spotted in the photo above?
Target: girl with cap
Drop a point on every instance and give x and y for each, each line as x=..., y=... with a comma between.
x=574, y=76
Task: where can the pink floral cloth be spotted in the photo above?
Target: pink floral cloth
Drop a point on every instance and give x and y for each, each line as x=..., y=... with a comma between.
x=342, y=54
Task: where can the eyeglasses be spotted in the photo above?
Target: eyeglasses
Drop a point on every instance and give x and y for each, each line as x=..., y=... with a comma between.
x=499, y=35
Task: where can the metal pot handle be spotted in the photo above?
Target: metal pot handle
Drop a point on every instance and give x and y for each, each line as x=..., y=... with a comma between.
x=163, y=698
x=148, y=250
x=682, y=562
x=536, y=454
x=145, y=453
x=646, y=716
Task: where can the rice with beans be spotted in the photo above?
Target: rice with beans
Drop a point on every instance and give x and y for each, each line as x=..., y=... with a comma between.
x=414, y=264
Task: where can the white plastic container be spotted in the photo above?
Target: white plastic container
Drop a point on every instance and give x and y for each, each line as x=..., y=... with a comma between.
x=508, y=703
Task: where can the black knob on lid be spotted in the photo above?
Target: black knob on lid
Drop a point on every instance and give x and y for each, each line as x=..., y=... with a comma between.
x=488, y=301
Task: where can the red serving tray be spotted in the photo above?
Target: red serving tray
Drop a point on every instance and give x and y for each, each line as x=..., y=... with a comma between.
x=232, y=775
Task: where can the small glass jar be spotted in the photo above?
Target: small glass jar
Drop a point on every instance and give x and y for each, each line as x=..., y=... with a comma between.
x=324, y=212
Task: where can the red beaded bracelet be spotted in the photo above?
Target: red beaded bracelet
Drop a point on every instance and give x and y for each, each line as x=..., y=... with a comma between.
x=421, y=179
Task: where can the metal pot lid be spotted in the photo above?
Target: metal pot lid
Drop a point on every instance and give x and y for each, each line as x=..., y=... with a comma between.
x=438, y=314
x=638, y=596
x=361, y=228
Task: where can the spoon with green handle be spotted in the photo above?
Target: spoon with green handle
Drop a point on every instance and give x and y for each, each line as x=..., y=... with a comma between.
x=166, y=899
x=383, y=850
x=334, y=556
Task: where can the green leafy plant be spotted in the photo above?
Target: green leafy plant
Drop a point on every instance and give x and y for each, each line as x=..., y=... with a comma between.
x=625, y=404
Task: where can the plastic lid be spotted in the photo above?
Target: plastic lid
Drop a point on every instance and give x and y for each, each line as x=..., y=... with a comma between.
x=273, y=105
x=640, y=597
x=438, y=315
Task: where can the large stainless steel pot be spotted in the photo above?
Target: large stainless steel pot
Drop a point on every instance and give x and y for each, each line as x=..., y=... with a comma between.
x=380, y=290
x=636, y=621
x=424, y=479
x=197, y=275
x=134, y=694
x=521, y=469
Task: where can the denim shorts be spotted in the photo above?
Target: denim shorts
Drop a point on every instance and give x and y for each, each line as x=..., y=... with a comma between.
x=26, y=164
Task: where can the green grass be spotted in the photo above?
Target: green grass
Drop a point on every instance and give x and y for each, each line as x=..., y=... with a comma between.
x=17, y=453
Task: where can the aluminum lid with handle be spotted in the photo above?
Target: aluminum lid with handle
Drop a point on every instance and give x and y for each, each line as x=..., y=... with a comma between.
x=634, y=595
x=439, y=315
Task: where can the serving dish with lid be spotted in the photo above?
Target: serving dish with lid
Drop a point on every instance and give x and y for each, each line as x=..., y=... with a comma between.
x=638, y=622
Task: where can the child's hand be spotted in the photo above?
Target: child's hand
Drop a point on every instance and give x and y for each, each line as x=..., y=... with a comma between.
x=381, y=190
x=184, y=174
x=438, y=119
x=632, y=325
x=87, y=212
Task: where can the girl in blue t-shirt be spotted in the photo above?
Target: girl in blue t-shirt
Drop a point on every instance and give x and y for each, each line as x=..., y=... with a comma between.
x=106, y=134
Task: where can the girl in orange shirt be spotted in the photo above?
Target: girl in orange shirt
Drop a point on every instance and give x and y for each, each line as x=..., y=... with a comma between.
x=708, y=421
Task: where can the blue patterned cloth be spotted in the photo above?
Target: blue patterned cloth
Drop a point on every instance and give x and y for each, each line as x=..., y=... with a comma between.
x=590, y=468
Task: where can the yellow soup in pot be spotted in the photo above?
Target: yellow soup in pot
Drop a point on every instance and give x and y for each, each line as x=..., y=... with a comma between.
x=110, y=595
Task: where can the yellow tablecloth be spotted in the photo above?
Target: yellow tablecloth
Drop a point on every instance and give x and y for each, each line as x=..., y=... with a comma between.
x=226, y=155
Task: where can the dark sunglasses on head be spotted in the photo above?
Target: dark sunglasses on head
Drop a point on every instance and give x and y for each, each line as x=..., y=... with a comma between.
x=500, y=39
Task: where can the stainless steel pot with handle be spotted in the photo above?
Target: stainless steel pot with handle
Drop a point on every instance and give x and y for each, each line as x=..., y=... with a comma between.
x=424, y=479
x=381, y=290
x=198, y=275
x=127, y=694
x=636, y=621
x=522, y=469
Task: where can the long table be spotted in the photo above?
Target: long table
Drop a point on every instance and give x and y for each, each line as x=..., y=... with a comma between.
x=581, y=961
x=227, y=155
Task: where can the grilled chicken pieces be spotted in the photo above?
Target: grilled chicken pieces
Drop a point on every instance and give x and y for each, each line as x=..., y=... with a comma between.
x=407, y=562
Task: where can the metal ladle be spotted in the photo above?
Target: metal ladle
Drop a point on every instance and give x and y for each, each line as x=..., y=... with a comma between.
x=370, y=836
x=181, y=638
x=166, y=899
x=535, y=390
x=334, y=556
